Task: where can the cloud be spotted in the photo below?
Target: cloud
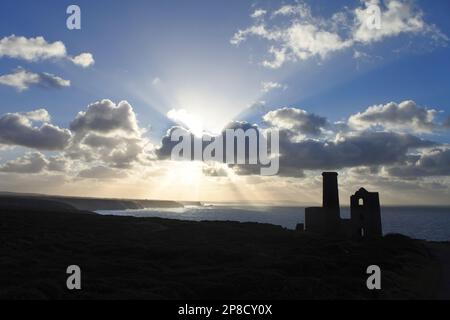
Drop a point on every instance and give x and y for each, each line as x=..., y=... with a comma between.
x=435, y=162
x=35, y=162
x=297, y=120
x=31, y=49
x=397, y=17
x=214, y=171
x=38, y=49
x=107, y=142
x=108, y=133
x=258, y=13
x=17, y=129
x=164, y=151
x=301, y=38
x=29, y=163
x=299, y=41
x=84, y=60
x=22, y=79
x=404, y=116
x=39, y=115
x=106, y=117
x=359, y=149
x=102, y=172
x=354, y=149
x=294, y=33
x=301, y=10
x=268, y=86
x=58, y=163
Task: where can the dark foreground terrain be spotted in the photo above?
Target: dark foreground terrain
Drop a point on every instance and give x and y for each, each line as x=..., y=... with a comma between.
x=150, y=258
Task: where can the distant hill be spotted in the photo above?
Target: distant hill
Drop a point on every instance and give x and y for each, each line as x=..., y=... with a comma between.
x=85, y=203
x=33, y=204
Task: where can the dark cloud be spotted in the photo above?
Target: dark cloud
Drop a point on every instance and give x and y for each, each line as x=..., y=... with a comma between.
x=164, y=151
x=433, y=163
x=97, y=141
x=361, y=149
x=18, y=129
x=364, y=148
x=297, y=120
x=117, y=152
x=58, y=164
x=35, y=162
x=29, y=163
x=255, y=169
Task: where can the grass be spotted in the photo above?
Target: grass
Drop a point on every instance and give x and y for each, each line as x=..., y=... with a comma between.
x=151, y=258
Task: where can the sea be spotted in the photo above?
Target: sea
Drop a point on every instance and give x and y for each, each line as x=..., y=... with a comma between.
x=427, y=223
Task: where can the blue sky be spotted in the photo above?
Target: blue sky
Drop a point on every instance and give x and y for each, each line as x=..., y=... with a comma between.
x=178, y=55
x=135, y=43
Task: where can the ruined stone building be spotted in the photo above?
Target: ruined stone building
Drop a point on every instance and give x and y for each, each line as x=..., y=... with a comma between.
x=365, y=216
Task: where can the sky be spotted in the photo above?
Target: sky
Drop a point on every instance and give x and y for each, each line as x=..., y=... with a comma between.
x=85, y=112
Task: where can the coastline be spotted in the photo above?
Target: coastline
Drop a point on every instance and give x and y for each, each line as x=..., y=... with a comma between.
x=95, y=204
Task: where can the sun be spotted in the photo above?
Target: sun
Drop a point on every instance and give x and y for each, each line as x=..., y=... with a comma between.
x=193, y=122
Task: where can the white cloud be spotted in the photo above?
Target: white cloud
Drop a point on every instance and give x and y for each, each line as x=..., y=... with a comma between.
x=406, y=116
x=258, y=13
x=37, y=49
x=301, y=39
x=84, y=60
x=396, y=17
x=300, y=9
x=22, y=79
x=106, y=117
x=39, y=115
x=108, y=133
x=31, y=49
x=268, y=86
x=300, y=35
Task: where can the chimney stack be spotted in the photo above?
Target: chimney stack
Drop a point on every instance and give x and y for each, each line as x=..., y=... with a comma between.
x=330, y=190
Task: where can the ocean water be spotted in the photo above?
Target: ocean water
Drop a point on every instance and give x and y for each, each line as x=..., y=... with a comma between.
x=429, y=223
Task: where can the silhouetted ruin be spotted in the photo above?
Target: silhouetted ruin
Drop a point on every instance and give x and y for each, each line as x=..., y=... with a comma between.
x=365, y=216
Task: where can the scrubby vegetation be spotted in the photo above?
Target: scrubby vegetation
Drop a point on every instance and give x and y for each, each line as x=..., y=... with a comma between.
x=150, y=258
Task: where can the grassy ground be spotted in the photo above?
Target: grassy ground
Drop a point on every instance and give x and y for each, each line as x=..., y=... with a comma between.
x=150, y=258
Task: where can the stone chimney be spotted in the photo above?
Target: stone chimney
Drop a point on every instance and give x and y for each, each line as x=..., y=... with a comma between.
x=330, y=191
